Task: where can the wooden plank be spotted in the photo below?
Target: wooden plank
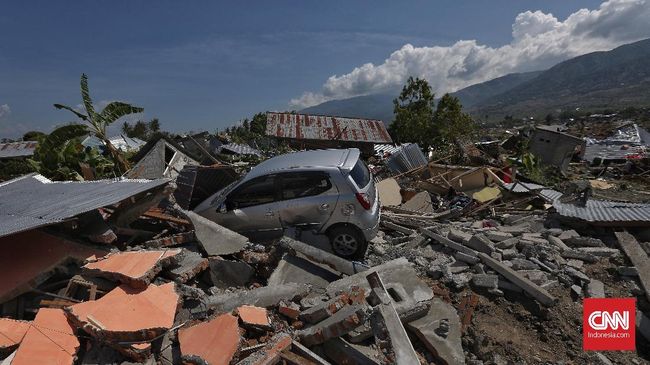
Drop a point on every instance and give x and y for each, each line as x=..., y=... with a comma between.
x=638, y=257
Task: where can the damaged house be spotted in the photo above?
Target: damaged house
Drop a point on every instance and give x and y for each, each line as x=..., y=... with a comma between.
x=555, y=148
x=161, y=158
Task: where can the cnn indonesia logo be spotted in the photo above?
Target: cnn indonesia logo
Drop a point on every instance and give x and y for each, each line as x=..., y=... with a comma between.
x=608, y=324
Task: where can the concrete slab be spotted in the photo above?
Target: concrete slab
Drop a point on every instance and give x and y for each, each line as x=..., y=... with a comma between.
x=227, y=274
x=638, y=257
x=449, y=243
x=134, y=268
x=254, y=316
x=188, y=265
x=344, y=353
x=595, y=289
x=440, y=331
x=401, y=281
x=481, y=243
x=215, y=341
x=215, y=239
x=600, y=251
x=294, y=269
x=389, y=192
x=11, y=333
x=558, y=243
x=128, y=314
x=459, y=236
x=322, y=257
x=420, y=202
x=265, y=296
x=270, y=353
x=340, y=323
x=50, y=340
x=531, y=288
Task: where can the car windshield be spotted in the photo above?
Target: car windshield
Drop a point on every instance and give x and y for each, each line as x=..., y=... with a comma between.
x=226, y=190
x=360, y=174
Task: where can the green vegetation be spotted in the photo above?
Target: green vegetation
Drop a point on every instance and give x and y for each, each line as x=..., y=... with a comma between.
x=98, y=122
x=142, y=130
x=416, y=121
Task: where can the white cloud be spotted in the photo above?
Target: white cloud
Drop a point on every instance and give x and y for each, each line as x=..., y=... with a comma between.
x=539, y=41
x=5, y=110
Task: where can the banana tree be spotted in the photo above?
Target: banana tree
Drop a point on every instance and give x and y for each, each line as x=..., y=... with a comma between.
x=98, y=122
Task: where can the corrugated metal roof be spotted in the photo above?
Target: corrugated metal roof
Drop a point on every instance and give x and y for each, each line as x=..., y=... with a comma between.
x=33, y=201
x=406, y=158
x=17, y=149
x=595, y=211
x=240, y=149
x=317, y=127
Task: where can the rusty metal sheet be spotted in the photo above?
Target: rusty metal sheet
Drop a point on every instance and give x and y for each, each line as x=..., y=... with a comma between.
x=17, y=149
x=318, y=127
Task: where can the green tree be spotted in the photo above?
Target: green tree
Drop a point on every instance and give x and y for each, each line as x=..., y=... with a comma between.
x=33, y=136
x=258, y=124
x=413, y=110
x=449, y=120
x=98, y=122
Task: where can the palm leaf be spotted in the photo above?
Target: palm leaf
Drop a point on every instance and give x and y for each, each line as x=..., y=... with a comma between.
x=85, y=95
x=61, y=135
x=117, y=110
x=81, y=116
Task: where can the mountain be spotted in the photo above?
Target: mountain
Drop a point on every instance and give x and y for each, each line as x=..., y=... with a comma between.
x=380, y=106
x=595, y=81
x=375, y=106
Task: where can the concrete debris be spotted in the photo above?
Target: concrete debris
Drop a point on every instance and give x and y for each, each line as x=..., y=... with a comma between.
x=340, y=323
x=389, y=192
x=265, y=296
x=215, y=341
x=271, y=352
x=254, y=316
x=595, y=289
x=188, y=265
x=226, y=274
x=12, y=332
x=128, y=314
x=134, y=268
x=323, y=257
x=638, y=257
x=50, y=339
x=440, y=332
x=481, y=243
x=215, y=239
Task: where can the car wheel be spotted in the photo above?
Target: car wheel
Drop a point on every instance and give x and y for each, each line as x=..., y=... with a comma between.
x=347, y=242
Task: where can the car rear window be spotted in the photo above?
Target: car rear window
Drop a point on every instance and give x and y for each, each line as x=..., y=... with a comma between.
x=360, y=174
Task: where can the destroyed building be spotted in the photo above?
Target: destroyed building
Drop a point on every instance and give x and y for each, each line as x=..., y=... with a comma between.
x=555, y=148
x=160, y=158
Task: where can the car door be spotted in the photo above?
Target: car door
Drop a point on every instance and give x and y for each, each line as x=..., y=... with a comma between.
x=308, y=199
x=252, y=209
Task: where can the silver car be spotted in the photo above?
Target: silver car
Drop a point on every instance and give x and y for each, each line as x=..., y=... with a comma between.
x=329, y=192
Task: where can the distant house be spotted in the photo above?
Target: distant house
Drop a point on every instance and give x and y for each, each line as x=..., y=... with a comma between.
x=17, y=150
x=161, y=158
x=316, y=131
x=629, y=141
x=122, y=143
x=555, y=148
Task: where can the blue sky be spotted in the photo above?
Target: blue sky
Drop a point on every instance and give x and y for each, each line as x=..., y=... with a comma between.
x=203, y=65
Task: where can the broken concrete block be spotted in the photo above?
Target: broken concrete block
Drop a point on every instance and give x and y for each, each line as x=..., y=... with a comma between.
x=515, y=230
x=340, y=323
x=595, y=289
x=536, y=276
x=531, y=288
x=584, y=242
x=326, y=309
x=270, y=353
x=342, y=352
x=188, y=265
x=523, y=264
x=51, y=340
x=509, y=254
x=568, y=234
x=266, y=296
x=498, y=236
x=576, y=264
x=459, y=236
x=487, y=281
x=460, y=256
x=215, y=341
x=420, y=202
x=627, y=271
x=226, y=274
x=506, y=285
x=507, y=244
x=294, y=269
x=254, y=316
x=215, y=239
x=558, y=243
x=600, y=251
x=449, y=243
x=289, y=309
x=576, y=274
x=323, y=257
x=12, y=332
x=400, y=278
x=134, y=268
x=576, y=291
x=578, y=255
x=389, y=192
x=440, y=331
x=638, y=257
x=128, y=314
x=481, y=243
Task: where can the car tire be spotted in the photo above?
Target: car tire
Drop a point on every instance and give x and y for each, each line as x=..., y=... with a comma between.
x=347, y=242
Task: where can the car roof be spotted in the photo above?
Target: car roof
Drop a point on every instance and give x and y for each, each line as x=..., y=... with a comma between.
x=344, y=159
